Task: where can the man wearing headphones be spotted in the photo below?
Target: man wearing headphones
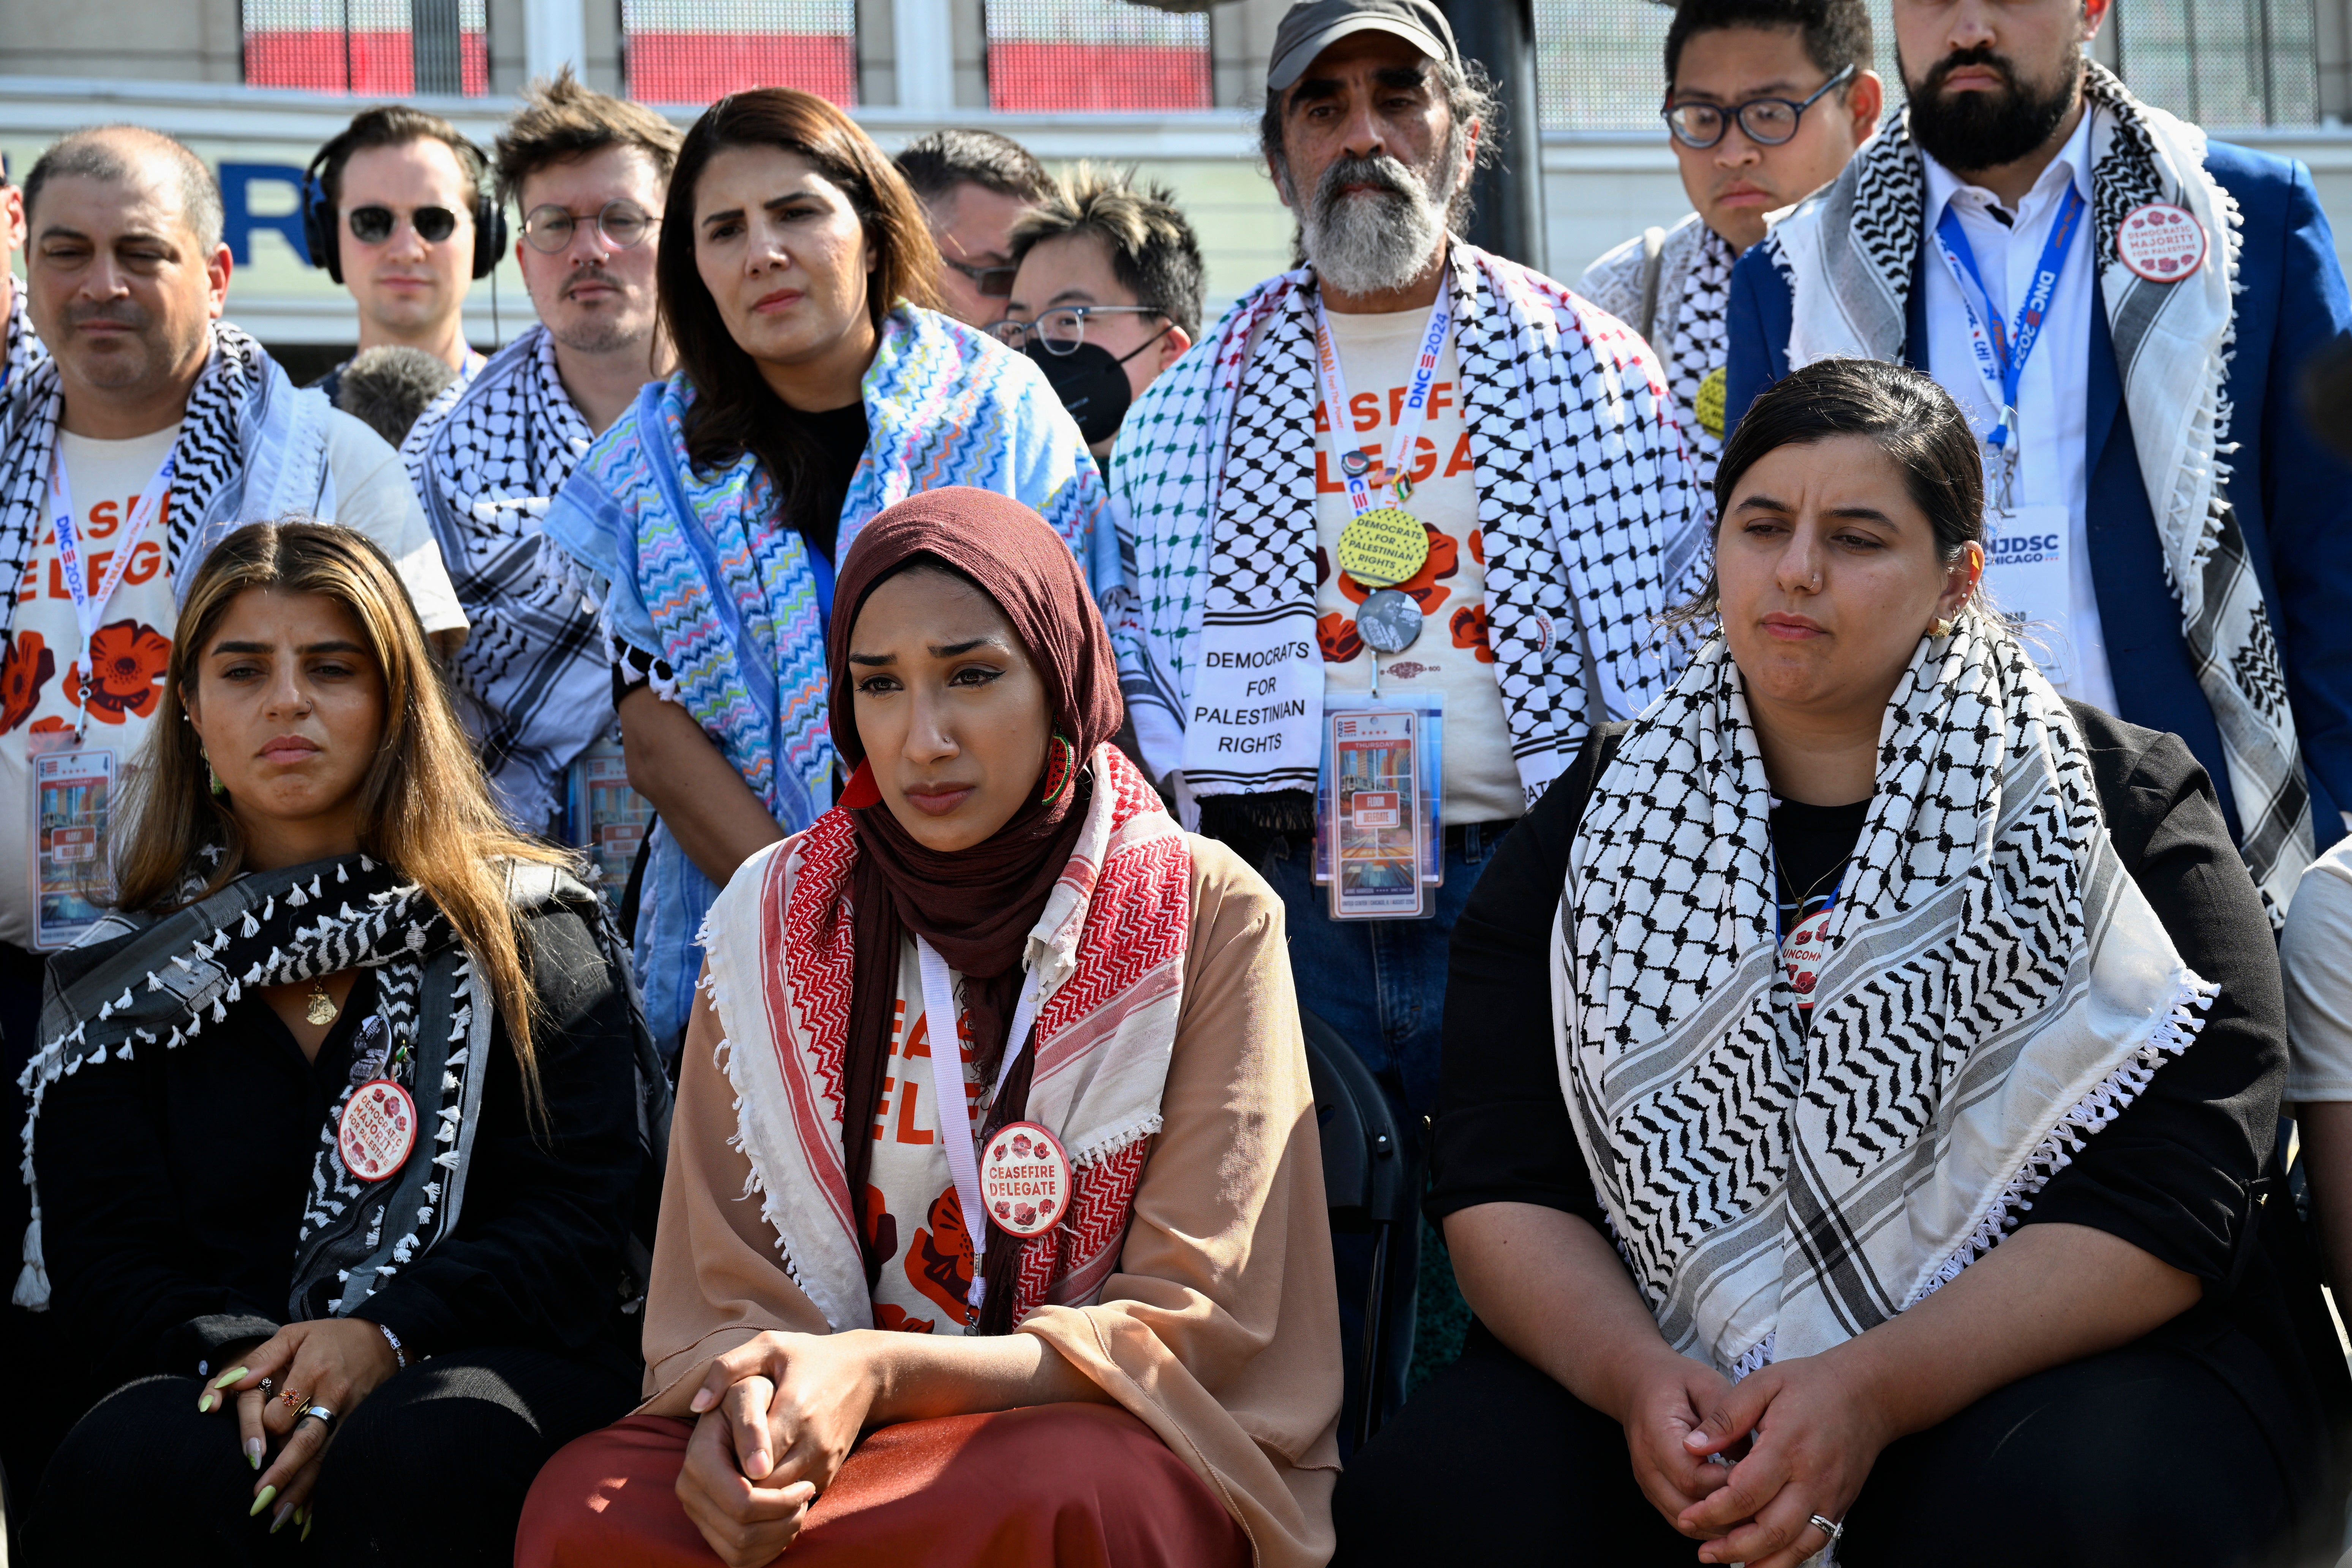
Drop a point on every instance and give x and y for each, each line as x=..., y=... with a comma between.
x=398, y=209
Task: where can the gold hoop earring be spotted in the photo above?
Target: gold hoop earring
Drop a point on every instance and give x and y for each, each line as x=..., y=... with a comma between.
x=1940, y=628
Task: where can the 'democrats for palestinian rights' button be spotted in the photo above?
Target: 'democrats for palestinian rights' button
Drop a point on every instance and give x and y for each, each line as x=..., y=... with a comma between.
x=1384, y=547
x=1025, y=1179
x=2161, y=243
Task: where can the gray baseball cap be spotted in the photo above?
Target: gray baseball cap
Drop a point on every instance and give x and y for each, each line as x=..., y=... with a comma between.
x=1313, y=26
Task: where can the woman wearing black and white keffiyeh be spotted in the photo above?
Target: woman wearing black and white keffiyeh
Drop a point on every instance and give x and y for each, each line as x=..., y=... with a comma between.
x=338, y=1121
x=1861, y=1084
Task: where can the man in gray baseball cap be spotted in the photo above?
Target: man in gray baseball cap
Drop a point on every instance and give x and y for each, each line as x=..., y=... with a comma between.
x=1459, y=515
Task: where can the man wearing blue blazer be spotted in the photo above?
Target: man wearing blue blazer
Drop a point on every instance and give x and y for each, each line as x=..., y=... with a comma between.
x=2123, y=309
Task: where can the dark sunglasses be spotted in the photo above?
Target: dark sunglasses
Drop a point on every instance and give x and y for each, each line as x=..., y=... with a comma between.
x=1767, y=121
x=996, y=282
x=373, y=225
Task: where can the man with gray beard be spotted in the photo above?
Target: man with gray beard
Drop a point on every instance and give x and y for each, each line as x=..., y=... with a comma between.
x=1394, y=533
x=588, y=174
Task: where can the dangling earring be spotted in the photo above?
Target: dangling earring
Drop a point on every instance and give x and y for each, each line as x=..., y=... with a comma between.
x=1061, y=767
x=218, y=788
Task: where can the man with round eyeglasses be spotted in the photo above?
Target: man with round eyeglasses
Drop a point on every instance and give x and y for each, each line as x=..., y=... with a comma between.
x=1766, y=100
x=589, y=173
x=1107, y=294
x=393, y=212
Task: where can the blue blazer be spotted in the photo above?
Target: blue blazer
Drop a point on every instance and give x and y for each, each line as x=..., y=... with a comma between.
x=2292, y=495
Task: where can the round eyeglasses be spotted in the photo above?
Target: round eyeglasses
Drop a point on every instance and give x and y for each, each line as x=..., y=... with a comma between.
x=1062, y=331
x=1767, y=121
x=549, y=229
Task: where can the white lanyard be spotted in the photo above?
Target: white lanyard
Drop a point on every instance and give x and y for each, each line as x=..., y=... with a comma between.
x=1410, y=419
x=89, y=606
x=942, y=1022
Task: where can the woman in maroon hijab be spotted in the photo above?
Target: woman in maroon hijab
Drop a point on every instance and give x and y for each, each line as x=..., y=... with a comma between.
x=1087, y=1317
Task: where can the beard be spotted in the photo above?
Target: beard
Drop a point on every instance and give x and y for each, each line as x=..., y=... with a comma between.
x=1377, y=240
x=622, y=322
x=1971, y=130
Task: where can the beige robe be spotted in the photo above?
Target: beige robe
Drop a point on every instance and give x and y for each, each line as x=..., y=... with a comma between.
x=1221, y=1328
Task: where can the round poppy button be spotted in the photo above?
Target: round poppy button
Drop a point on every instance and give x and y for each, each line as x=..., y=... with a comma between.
x=377, y=1131
x=1025, y=1179
x=2160, y=242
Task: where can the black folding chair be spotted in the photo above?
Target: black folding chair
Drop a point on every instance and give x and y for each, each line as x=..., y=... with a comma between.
x=1370, y=1189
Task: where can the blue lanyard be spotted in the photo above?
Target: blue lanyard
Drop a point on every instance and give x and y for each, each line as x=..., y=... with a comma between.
x=2002, y=355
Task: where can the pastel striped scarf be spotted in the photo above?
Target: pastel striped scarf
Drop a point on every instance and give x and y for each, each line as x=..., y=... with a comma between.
x=692, y=569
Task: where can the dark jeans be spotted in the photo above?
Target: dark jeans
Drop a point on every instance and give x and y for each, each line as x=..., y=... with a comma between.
x=2140, y=1456
x=1382, y=985
x=432, y=1468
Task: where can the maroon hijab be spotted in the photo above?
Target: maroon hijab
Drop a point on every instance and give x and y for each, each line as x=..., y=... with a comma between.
x=976, y=906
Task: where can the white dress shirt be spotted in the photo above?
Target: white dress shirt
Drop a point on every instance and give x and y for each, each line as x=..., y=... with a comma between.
x=2053, y=394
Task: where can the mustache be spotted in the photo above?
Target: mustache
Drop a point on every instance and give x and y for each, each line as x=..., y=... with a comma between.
x=1982, y=55
x=117, y=312
x=1383, y=173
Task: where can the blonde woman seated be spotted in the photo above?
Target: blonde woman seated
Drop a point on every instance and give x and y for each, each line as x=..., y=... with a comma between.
x=1134, y=1357
x=339, y=1124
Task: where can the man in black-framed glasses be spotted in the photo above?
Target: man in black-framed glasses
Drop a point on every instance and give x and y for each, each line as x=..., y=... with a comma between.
x=394, y=216
x=1766, y=101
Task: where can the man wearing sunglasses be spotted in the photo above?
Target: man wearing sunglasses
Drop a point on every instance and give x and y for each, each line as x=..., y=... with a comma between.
x=2123, y=306
x=398, y=199
x=588, y=174
x=975, y=186
x=1766, y=100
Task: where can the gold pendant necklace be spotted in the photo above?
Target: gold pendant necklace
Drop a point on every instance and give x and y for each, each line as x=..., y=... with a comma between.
x=322, y=1007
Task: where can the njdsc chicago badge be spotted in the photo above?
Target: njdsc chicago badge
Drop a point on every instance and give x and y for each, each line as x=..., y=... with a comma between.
x=1025, y=1179
x=378, y=1130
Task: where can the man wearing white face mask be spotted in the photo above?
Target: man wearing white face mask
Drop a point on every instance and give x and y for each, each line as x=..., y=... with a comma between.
x=1410, y=480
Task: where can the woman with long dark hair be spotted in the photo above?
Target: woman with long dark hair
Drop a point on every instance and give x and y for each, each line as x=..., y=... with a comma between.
x=1058, y=1294
x=814, y=387
x=341, y=1121
x=1859, y=1122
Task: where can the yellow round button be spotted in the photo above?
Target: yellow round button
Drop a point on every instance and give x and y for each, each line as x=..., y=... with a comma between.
x=1708, y=405
x=1384, y=547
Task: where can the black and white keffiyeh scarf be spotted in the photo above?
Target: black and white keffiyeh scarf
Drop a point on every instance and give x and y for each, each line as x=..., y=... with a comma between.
x=1997, y=989
x=1591, y=522
x=147, y=984
x=252, y=445
x=1690, y=332
x=533, y=679
x=1847, y=253
x=20, y=346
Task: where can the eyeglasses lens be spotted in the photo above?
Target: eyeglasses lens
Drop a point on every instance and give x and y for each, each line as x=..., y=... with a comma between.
x=1062, y=331
x=624, y=222
x=1698, y=124
x=1769, y=121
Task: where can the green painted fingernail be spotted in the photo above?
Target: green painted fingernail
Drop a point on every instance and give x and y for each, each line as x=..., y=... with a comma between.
x=206, y=1402
x=307, y=1517
x=225, y=1379
x=261, y=1502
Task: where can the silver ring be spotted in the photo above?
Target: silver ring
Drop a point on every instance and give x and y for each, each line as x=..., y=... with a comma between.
x=1833, y=1530
x=324, y=1416
x=268, y=1388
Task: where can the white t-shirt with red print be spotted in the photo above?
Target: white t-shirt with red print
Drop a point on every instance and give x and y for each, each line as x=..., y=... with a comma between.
x=910, y=1209
x=41, y=654
x=1377, y=357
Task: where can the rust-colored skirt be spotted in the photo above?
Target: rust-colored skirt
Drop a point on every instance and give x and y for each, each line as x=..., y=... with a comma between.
x=1053, y=1485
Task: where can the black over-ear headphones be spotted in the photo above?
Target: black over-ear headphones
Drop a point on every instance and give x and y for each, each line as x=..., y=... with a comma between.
x=323, y=229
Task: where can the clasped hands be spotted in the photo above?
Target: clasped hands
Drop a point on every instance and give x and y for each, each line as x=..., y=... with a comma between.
x=331, y=1362
x=1745, y=1468
x=774, y=1419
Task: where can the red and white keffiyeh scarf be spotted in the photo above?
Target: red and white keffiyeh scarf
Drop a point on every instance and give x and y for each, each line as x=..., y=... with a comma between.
x=1110, y=949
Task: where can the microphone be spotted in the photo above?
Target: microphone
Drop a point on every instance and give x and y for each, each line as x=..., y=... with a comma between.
x=387, y=388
